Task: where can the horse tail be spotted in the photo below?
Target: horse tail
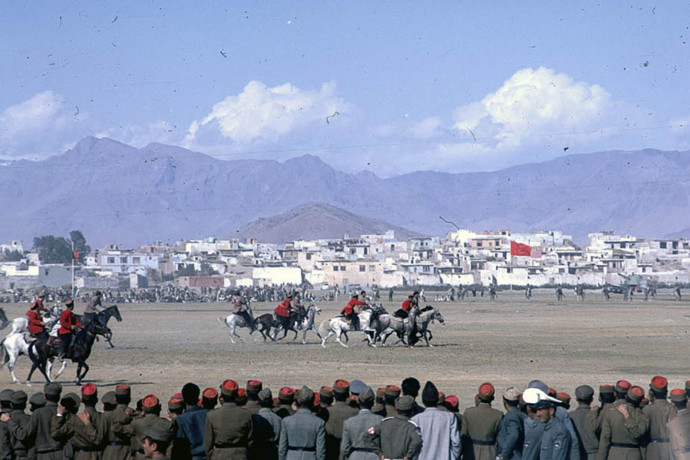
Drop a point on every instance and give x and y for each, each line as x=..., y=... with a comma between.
x=325, y=326
x=5, y=355
x=222, y=321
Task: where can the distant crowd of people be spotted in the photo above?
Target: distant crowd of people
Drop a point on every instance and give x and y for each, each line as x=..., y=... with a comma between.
x=348, y=420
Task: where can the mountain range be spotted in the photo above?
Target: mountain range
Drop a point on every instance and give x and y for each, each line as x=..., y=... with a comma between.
x=118, y=194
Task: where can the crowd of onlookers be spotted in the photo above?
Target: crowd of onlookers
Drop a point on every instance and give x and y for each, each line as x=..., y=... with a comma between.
x=349, y=420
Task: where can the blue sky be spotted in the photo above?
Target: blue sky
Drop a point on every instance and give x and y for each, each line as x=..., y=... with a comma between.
x=392, y=87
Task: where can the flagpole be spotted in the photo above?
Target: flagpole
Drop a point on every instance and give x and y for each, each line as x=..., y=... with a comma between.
x=511, y=280
x=72, y=270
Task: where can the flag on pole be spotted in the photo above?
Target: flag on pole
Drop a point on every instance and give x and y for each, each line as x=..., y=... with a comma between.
x=519, y=249
x=75, y=255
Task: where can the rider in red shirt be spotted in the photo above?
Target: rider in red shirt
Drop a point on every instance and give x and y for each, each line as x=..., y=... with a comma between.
x=68, y=325
x=36, y=325
x=349, y=310
x=407, y=304
x=283, y=312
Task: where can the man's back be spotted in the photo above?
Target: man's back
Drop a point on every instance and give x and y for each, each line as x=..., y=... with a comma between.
x=659, y=412
x=583, y=419
x=266, y=433
x=356, y=443
x=511, y=435
x=440, y=434
x=679, y=435
x=302, y=436
x=191, y=426
x=480, y=428
x=400, y=437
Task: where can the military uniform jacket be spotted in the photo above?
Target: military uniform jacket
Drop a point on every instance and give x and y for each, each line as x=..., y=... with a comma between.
x=511, y=435
x=620, y=437
x=400, y=437
x=284, y=410
x=337, y=414
x=85, y=437
x=266, y=434
x=302, y=437
x=229, y=432
x=38, y=428
x=479, y=430
x=533, y=432
x=679, y=435
x=555, y=441
x=659, y=412
x=596, y=421
x=21, y=448
x=588, y=443
x=5, y=442
x=191, y=426
x=356, y=444
x=252, y=407
x=136, y=431
x=118, y=439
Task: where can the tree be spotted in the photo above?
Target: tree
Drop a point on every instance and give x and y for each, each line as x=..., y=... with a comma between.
x=13, y=255
x=58, y=250
x=80, y=246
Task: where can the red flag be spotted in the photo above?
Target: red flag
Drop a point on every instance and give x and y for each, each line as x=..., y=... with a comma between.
x=75, y=255
x=519, y=249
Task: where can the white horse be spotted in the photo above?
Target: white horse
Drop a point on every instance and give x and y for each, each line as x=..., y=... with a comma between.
x=15, y=345
x=421, y=319
x=336, y=326
x=308, y=323
x=233, y=321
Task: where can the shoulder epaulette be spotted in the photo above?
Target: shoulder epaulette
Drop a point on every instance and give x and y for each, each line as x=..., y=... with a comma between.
x=413, y=423
x=387, y=418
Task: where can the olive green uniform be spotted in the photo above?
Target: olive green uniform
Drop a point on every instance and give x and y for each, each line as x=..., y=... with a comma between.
x=679, y=435
x=620, y=437
x=479, y=431
x=400, y=437
x=228, y=432
x=84, y=436
x=119, y=432
x=583, y=418
x=337, y=414
x=659, y=412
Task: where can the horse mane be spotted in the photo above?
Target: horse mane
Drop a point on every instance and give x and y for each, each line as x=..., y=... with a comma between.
x=425, y=309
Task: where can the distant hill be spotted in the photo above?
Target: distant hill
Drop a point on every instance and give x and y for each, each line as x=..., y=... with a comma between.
x=118, y=194
x=314, y=221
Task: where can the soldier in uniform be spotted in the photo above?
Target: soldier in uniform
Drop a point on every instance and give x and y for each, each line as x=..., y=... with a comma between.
x=253, y=389
x=157, y=438
x=583, y=417
x=399, y=436
x=119, y=443
x=679, y=427
x=209, y=398
x=390, y=395
x=555, y=439
x=286, y=396
x=228, y=428
x=266, y=428
x=38, y=427
x=21, y=449
x=659, y=412
x=511, y=431
x=623, y=427
x=325, y=401
x=337, y=414
x=5, y=438
x=480, y=426
x=303, y=435
x=439, y=428
x=84, y=429
x=190, y=426
x=151, y=409
x=378, y=407
x=37, y=327
x=355, y=444
x=606, y=397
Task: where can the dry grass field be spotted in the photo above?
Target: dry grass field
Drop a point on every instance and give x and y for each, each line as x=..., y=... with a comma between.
x=159, y=347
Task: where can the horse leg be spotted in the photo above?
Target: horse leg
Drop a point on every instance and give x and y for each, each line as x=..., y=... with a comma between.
x=323, y=340
x=62, y=368
x=10, y=366
x=232, y=332
x=304, y=337
x=295, y=337
x=337, y=338
x=80, y=376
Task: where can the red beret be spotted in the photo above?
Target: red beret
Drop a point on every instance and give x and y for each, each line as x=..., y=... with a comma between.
x=89, y=390
x=452, y=400
x=254, y=385
x=317, y=398
x=622, y=386
x=123, y=390
x=552, y=392
x=678, y=395
x=286, y=395
x=241, y=392
x=287, y=391
x=210, y=393
x=392, y=390
x=341, y=386
x=149, y=402
x=380, y=391
x=658, y=383
x=177, y=396
x=486, y=390
x=229, y=385
x=636, y=393
x=326, y=392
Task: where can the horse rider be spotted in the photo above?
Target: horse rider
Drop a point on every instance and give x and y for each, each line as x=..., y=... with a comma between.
x=349, y=310
x=297, y=305
x=404, y=310
x=282, y=312
x=37, y=327
x=240, y=309
x=39, y=302
x=68, y=327
x=92, y=306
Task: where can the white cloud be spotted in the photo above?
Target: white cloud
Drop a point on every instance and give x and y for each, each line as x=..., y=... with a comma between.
x=533, y=104
x=260, y=113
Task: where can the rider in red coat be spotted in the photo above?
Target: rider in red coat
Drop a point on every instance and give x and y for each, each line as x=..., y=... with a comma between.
x=283, y=312
x=68, y=325
x=36, y=325
x=349, y=310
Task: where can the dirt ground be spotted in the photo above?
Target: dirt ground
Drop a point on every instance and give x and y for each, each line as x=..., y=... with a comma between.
x=160, y=347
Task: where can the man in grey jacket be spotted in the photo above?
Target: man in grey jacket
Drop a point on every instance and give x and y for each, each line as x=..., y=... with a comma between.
x=303, y=435
x=356, y=444
x=439, y=428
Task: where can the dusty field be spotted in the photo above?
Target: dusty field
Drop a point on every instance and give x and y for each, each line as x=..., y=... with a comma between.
x=159, y=347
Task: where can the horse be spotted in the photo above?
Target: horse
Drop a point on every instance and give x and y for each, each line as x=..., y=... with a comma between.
x=14, y=345
x=103, y=317
x=426, y=316
x=387, y=324
x=234, y=321
x=42, y=355
x=338, y=325
x=308, y=324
